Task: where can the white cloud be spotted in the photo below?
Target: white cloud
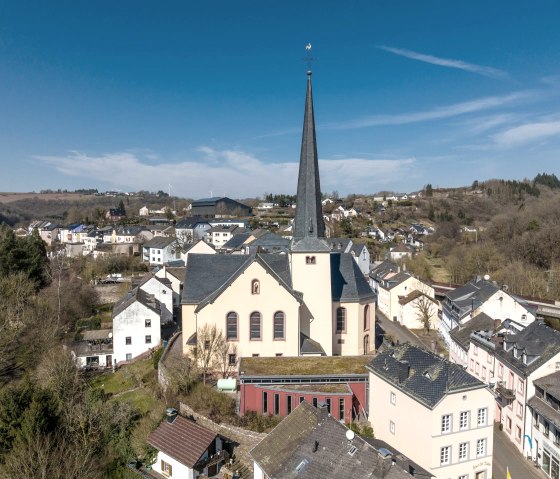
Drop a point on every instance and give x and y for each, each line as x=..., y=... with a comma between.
x=484, y=123
x=232, y=173
x=438, y=113
x=447, y=62
x=527, y=133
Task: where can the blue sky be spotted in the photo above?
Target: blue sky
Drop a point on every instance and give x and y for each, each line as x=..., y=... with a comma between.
x=208, y=96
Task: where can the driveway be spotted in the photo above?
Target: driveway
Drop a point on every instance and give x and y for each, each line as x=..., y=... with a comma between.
x=385, y=327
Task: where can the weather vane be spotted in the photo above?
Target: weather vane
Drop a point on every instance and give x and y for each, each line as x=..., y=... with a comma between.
x=309, y=58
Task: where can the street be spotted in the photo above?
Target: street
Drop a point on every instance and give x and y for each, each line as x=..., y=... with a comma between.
x=507, y=455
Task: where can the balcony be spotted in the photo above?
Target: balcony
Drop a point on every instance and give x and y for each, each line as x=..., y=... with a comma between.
x=504, y=394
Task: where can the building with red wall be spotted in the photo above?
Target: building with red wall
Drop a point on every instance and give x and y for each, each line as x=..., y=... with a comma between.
x=276, y=386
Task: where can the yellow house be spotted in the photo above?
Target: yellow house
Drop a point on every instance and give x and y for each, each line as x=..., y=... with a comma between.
x=306, y=301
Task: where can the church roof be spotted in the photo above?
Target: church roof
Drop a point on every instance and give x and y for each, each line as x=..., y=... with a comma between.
x=207, y=276
x=308, y=222
x=348, y=283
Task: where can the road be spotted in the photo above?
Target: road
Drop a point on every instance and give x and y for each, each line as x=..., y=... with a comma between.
x=507, y=455
x=384, y=326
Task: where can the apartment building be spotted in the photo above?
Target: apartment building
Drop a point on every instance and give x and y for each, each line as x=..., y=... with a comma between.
x=440, y=416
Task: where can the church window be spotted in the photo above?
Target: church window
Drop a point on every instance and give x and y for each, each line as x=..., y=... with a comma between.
x=279, y=325
x=310, y=260
x=366, y=344
x=231, y=326
x=366, y=318
x=255, y=287
x=340, y=320
x=255, y=326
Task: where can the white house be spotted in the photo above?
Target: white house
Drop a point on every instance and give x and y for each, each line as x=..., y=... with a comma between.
x=417, y=307
x=144, y=211
x=188, y=230
x=400, y=251
x=186, y=450
x=175, y=276
x=161, y=289
x=160, y=250
x=481, y=296
x=95, y=350
x=136, y=325
x=198, y=247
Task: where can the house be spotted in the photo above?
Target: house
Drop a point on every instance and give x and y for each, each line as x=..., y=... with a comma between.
x=400, y=251
x=175, y=276
x=160, y=289
x=460, y=337
x=419, y=229
x=265, y=206
x=136, y=325
x=95, y=350
x=311, y=444
x=144, y=211
x=218, y=236
x=327, y=201
x=237, y=244
x=510, y=363
x=416, y=308
x=198, y=247
x=358, y=251
x=543, y=422
x=190, y=230
x=394, y=286
x=263, y=302
x=127, y=234
x=115, y=214
x=49, y=232
x=219, y=207
x=160, y=250
x=439, y=415
x=481, y=296
x=74, y=233
x=74, y=250
x=185, y=449
x=379, y=271
x=276, y=385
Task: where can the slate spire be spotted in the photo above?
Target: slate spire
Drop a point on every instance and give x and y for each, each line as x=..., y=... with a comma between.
x=308, y=222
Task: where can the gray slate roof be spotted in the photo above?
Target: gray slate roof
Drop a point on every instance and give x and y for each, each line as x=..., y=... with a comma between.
x=308, y=222
x=421, y=374
x=550, y=383
x=189, y=223
x=236, y=241
x=462, y=334
x=395, y=280
x=139, y=295
x=539, y=341
x=382, y=269
x=310, y=346
x=348, y=283
x=207, y=276
x=288, y=451
x=159, y=242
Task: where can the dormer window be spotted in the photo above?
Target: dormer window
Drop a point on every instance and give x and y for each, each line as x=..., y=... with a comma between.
x=255, y=287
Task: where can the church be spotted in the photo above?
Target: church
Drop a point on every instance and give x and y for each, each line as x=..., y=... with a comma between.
x=309, y=301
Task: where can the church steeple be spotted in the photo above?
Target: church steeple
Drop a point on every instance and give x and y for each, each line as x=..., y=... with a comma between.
x=308, y=223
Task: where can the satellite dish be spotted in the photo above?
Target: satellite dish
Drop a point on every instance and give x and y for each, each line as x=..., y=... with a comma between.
x=350, y=434
x=486, y=277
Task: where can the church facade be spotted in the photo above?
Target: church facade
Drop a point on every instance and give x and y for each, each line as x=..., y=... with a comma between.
x=310, y=301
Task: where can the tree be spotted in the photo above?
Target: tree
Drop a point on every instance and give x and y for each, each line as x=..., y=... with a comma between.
x=122, y=208
x=425, y=310
x=208, y=341
x=429, y=190
x=224, y=350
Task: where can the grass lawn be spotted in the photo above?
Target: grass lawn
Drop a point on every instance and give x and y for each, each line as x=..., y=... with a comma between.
x=439, y=273
x=136, y=375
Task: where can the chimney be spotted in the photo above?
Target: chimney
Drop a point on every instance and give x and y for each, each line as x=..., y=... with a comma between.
x=323, y=411
x=171, y=414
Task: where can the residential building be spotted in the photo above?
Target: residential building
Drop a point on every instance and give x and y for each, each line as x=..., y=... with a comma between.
x=175, y=276
x=543, y=422
x=396, y=285
x=482, y=296
x=460, y=337
x=311, y=444
x=160, y=289
x=417, y=308
x=276, y=385
x=136, y=325
x=190, y=230
x=309, y=301
x=198, y=247
x=437, y=414
x=399, y=252
x=114, y=215
x=94, y=350
x=218, y=236
x=160, y=250
x=185, y=449
x=511, y=362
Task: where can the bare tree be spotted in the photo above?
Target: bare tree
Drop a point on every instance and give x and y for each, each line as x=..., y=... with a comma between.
x=425, y=309
x=208, y=341
x=225, y=351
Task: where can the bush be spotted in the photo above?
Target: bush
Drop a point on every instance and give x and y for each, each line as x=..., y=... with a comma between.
x=157, y=356
x=258, y=422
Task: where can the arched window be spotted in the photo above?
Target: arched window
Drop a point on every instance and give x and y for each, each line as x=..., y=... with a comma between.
x=366, y=318
x=255, y=326
x=279, y=325
x=340, y=320
x=255, y=287
x=232, y=326
x=366, y=344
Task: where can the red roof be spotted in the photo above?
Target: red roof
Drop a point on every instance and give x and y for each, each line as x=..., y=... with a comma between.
x=183, y=440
